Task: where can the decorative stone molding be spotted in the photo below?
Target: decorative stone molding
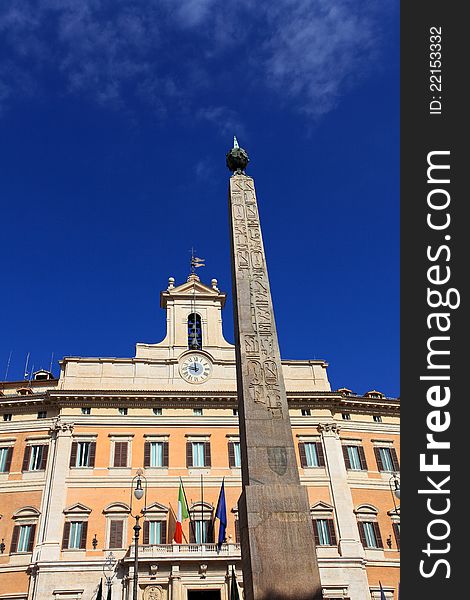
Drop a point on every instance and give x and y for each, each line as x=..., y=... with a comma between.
x=203, y=571
x=153, y=592
x=331, y=429
x=59, y=426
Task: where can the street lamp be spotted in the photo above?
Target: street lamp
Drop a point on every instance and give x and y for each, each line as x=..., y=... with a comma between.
x=395, y=491
x=138, y=491
x=109, y=572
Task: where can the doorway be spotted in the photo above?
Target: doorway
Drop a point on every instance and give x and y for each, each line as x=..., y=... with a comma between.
x=203, y=594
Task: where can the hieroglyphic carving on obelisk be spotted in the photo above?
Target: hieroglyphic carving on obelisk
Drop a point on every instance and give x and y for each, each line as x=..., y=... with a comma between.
x=278, y=549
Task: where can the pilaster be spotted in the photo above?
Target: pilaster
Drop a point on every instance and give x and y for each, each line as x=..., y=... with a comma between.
x=349, y=543
x=55, y=493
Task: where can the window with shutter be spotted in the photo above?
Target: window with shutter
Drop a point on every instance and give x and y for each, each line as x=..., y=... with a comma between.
x=189, y=454
x=32, y=534
x=370, y=537
x=395, y=463
x=73, y=454
x=92, y=455
x=120, y=454
x=147, y=454
x=362, y=458
x=145, y=533
x=6, y=454
x=346, y=457
x=165, y=448
x=27, y=454
x=44, y=453
x=231, y=455
x=156, y=454
x=320, y=454
x=378, y=459
x=66, y=535
x=237, y=531
x=14, y=539
x=207, y=454
x=116, y=529
x=396, y=531
x=83, y=535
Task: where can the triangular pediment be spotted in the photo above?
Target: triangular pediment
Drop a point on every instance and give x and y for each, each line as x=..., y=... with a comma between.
x=156, y=507
x=77, y=508
x=190, y=289
x=321, y=506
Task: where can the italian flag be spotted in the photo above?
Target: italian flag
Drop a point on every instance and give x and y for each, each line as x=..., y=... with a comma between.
x=182, y=514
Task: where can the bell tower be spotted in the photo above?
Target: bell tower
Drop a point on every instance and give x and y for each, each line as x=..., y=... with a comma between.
x=193, y=321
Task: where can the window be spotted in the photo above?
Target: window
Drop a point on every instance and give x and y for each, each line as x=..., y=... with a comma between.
x=6, y=453
x=201, y=528
x=311, y=454
x=116, y=529
x=368, y=526
x=346, y=417
x=155, y=532
x=324, y=531
x=377, y=418
x=237, y=531
x=122, y=411
x=157, y=412
x=74, y=537
x=7, y=417
x=42, y=414
x=156, y=454
x=201, y=532
x=396, y=531
x=197, y=412
x=354, y=458
x=235, y=412
x=234, y=457
x=370, y=534
x=387, y=459
x=83, y=454
x=35, y=457
x=198, y=454
x=86, y=410
x=22, y=539
x=305, y=412
x=194, y=332
x=120, y=454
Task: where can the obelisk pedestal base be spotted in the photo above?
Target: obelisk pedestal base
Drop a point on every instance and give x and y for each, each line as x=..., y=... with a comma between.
x=275, y=522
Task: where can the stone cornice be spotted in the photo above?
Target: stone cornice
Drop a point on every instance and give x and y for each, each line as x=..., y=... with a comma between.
x=204, y=398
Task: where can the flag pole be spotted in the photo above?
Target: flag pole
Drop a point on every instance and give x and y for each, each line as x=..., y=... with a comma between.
x=202, y=511
x=186, y=500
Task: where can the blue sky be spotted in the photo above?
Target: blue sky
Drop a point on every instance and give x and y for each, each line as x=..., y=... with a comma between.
x=115, y=117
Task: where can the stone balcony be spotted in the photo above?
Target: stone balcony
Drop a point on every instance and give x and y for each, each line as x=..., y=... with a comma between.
x=173, y=552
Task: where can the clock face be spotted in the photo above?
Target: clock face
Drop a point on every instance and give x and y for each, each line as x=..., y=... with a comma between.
x=195, y=368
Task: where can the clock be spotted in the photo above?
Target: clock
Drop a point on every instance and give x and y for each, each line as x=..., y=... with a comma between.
x=195, y=368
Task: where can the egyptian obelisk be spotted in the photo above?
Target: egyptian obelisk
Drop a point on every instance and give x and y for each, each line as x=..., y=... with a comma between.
x=278, y=547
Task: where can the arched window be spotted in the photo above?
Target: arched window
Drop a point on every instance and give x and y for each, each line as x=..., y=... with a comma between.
x=194, y=332
x=201, y=530
x=368, y=526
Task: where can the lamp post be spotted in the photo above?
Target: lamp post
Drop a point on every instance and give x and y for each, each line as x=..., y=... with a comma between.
x=109, y=572
x=138, y=492
x=395, y=491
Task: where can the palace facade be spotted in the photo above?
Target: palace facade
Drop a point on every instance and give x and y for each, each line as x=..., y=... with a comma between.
x=72, y=448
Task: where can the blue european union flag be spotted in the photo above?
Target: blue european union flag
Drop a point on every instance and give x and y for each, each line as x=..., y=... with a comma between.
x=221, y=514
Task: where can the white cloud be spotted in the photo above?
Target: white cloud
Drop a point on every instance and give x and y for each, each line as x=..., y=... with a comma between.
x=304, y=53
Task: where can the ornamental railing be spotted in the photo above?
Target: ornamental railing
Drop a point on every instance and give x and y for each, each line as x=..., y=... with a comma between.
x=186, y=550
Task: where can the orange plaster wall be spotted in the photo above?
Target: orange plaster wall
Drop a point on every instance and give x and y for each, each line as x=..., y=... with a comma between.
x=14, y=583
